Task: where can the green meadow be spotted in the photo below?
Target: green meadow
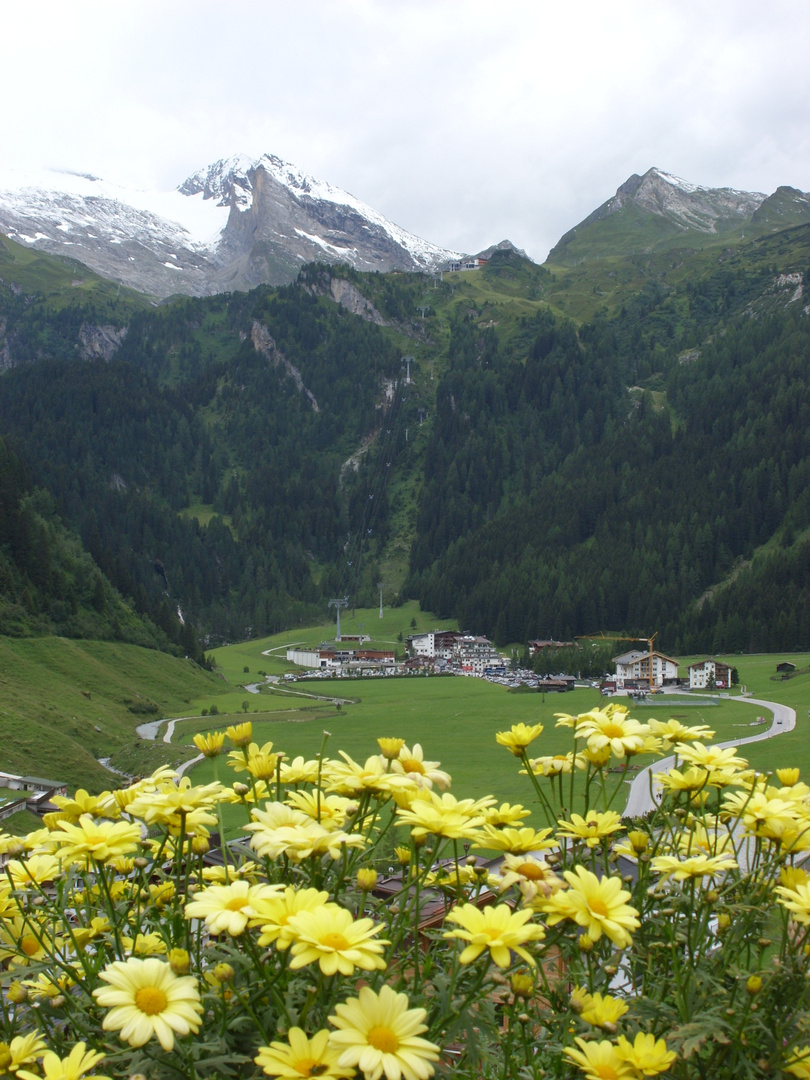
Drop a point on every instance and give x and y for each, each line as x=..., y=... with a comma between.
x=456, y=719
x=64, y=705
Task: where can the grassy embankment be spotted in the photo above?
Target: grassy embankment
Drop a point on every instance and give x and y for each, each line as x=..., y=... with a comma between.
x=64, y=704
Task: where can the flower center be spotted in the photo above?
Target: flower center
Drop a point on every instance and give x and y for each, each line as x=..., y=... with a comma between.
x=383, y=1039
x=308, y=1066
x=613, y=731
x=413, y=765
x=605, y=1072
x=334, y=941
x=598, y=905
x=151, y=1000
x=29, y=945
x=236, y=903
x=531, y=871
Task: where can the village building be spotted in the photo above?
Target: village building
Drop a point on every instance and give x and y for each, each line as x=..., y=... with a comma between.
x=464, y=654
x=539, y=644
x=709, y=674
x=637, y=668
x=329, y=658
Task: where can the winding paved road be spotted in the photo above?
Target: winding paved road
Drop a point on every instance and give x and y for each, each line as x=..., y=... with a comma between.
x=644, y=788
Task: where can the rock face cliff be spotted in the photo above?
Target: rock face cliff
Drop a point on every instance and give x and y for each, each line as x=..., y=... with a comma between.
x=236, y=224
x=659, y=210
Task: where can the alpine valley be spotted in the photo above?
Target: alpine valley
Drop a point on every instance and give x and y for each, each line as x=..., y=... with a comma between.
x=224, y=405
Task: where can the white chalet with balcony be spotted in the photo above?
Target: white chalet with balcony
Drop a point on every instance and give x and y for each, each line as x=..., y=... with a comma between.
x=653, y=669
x=709, y=674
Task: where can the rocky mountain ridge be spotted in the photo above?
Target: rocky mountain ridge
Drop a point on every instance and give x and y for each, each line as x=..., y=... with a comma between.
x=659, y=210
x=236, y=224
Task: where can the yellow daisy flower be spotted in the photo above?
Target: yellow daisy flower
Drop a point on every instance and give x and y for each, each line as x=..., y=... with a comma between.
x=351, y=778
x=598, y=906
x=211, y=744
x=600, y=1060
x=712, y=757
x=229, y=909
x=505, y=814
x=147, y=999
x=78, y=1062
x=518, y=737
x=673, y=731
x=338, y=942
x=97, y=805
x=602, y=1010
x=534, y=877
x=330, y=811
x=798, y=1064
x=788, y=777
x=279, y=909
x=517, y=841
x=443, y=815
x=35, y=870
x=592, y=828
x=647, y=1055
x=22, y=1050
x=379, y=1034
x=96, y=841
x=423, y=773
x=554, y=764
x=496, y=928
x=240, y=734
x=302, y=1057
x=299, y=771
x=614, y=730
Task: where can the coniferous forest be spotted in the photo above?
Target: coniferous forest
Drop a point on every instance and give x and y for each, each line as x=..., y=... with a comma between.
x=537, y=451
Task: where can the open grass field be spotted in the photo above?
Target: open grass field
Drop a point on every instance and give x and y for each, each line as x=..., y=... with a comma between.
x=66, y=704
x=455, y=720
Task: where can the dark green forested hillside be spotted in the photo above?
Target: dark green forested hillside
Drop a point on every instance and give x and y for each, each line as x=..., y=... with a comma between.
x=654, y=497
x=50, y=585
x=622, y=444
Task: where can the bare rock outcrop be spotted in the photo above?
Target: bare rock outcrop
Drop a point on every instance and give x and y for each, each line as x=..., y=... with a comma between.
x=264, y=343
x=100, y=342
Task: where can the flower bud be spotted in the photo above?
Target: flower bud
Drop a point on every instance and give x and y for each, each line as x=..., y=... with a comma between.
x=16, y=993
x=366, y=878
x=179, y=961
x=522, y=984
x=140, y=863
x=712, y=896
x=200, y=845
x=57, y=1001
x=390, y=748
x=240, y=789
x=585, y=944
x=223, y=973
x=723, y=922
x=753, y=984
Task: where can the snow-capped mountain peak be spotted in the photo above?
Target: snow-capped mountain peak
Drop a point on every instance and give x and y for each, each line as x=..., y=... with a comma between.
x=234, y=224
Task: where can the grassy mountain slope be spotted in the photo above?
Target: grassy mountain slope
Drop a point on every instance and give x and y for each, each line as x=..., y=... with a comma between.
x=65, y=704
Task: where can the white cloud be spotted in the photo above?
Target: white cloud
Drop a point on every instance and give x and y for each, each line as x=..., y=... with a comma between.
x=463, y=121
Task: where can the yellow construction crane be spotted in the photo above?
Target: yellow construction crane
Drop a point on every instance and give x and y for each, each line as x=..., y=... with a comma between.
x=620, y=637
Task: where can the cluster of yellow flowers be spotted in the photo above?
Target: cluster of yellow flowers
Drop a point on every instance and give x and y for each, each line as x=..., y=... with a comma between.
x=124, y=927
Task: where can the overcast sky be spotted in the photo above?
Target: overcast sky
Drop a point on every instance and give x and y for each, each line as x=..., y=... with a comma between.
x=465, y=122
